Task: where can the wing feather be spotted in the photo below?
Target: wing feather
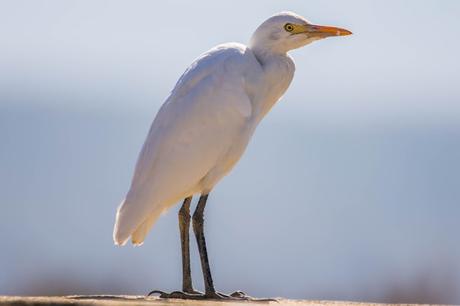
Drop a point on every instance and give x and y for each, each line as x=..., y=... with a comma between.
x=196, y=125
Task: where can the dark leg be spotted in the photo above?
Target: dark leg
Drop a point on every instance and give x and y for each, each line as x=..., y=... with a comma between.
x=210, y=292
x=188, y=292
x=184, y=227
x=198, y=222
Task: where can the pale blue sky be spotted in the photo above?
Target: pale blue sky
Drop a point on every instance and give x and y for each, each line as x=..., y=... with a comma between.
x=402, y=60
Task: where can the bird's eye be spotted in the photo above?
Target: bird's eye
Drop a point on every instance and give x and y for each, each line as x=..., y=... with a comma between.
x=289, y=27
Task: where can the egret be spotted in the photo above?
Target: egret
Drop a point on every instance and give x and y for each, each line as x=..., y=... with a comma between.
x=203, y=128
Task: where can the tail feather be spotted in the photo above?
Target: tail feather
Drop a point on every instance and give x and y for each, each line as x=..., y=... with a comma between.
x=120, y=234
x=138, y=236
x=137, y=214
x=129, y=223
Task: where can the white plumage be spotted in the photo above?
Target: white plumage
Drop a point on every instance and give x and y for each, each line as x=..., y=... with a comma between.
x=205, y=124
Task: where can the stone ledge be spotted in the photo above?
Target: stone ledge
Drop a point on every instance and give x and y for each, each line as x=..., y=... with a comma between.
x=115, y=300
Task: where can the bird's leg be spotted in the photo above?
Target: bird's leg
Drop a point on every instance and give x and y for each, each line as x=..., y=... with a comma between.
x=210, y=292
x=184, y=227
x=187, y=287
x=188, y=292
x=198, y=222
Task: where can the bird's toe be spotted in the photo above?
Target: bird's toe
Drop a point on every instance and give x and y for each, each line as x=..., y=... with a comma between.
x=193, y=291
x=239, y=294
x=195, y=295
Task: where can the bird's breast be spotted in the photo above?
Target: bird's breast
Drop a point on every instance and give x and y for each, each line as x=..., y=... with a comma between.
x=277, y=76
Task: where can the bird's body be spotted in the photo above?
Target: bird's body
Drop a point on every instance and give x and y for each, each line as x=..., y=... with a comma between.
x=201, y=131
x=204, y=127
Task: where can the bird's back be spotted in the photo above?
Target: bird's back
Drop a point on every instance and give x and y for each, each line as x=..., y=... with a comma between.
x=194, y=132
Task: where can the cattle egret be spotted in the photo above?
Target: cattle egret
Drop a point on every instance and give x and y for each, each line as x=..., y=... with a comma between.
x=203, y=128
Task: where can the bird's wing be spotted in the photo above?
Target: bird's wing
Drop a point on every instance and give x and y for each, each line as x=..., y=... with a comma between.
x=194, y=128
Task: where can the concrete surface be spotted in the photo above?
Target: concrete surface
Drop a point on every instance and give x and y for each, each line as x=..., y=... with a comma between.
x=107, y=300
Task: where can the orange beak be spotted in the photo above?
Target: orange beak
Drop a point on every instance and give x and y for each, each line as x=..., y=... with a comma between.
x=325, y=31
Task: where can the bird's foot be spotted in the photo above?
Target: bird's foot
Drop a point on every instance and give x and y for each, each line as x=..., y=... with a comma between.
x=193, y=291
x=240, y=295
x=192, y=295
x=222, y=296
x=196, y=295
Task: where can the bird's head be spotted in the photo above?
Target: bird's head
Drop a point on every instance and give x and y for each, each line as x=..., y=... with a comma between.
x=287, y=31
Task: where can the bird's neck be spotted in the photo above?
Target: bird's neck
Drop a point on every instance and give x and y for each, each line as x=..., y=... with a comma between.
x=278, y=71
x=265, y=55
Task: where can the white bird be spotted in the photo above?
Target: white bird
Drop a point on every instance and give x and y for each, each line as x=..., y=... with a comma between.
x=203, y=128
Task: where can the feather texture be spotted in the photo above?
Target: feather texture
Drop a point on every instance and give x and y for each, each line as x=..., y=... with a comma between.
x=194, y=140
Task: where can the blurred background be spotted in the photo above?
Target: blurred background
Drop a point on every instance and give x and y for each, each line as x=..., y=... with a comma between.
x=350, y=189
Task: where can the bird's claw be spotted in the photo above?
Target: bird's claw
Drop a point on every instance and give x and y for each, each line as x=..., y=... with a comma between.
x=239, y=294
x=176, y=294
